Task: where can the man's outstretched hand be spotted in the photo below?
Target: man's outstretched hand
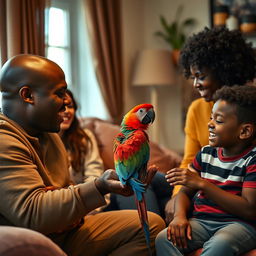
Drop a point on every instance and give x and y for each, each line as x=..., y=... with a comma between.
x=108, y=182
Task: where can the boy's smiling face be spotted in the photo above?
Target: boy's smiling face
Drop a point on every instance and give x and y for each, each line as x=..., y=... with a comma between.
x=224, y=128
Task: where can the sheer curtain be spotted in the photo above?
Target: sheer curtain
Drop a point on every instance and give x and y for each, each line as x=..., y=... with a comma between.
x=104, y=26
x=88, y=92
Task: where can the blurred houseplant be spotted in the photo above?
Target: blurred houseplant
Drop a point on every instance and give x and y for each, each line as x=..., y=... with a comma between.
x=175, y=33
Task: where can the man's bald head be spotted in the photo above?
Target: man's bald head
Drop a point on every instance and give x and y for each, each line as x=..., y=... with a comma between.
x=33, y=93
x=26, y=70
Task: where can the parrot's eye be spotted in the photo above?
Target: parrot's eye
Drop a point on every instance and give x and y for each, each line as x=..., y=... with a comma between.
x=141, y=110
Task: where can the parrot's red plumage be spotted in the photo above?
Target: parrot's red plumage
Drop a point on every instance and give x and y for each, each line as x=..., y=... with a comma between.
x=131, y=155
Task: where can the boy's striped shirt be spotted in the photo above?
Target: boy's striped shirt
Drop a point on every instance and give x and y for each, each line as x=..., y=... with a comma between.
x=229, y=173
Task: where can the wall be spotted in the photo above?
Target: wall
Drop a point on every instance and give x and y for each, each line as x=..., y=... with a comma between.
x=140, y=21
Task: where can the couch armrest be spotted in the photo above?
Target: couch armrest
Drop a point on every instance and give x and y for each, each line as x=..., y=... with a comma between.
x=16, y=241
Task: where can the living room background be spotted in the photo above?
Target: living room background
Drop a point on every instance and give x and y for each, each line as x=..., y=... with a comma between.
x=140, y=19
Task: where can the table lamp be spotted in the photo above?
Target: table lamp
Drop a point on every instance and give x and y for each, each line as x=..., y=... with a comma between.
x=154, y=68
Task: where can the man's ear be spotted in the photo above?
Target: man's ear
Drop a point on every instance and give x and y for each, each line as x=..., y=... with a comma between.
x=26, y=94
x=246, y=131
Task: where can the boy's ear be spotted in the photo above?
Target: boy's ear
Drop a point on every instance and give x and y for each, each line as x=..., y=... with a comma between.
x=26, y=94
x=246, y=131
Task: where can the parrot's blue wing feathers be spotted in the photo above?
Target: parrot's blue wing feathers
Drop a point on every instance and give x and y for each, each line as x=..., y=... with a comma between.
x=138, y=187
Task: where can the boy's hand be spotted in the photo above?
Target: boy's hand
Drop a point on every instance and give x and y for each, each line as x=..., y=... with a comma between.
x=179, y=230
x=187, y=177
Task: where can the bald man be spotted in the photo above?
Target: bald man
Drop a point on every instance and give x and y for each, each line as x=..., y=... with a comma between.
x=35, y=186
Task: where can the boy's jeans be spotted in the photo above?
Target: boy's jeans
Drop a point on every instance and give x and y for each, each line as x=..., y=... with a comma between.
x=216, y=238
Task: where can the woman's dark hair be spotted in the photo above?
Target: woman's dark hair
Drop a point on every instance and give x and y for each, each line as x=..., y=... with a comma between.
x=243, y=98
x=76, y=140
x=225, y=53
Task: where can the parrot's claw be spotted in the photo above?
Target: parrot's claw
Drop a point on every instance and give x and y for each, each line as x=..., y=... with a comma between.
x=151, y=171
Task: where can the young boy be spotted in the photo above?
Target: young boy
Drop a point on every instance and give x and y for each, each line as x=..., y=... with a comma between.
x=223, y=175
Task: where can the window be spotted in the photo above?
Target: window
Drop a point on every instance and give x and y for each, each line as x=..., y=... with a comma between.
x=68, y=45
x=57, y=34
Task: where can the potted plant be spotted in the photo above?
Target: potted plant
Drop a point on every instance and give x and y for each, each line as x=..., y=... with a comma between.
x=174, y=33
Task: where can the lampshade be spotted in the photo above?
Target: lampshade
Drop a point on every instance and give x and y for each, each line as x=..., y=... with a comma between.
x=153, y=67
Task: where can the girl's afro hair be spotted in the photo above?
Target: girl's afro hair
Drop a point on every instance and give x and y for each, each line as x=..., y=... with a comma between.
x=225, y=53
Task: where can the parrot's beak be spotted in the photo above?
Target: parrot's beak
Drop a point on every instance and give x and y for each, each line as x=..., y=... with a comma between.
x=149, y=117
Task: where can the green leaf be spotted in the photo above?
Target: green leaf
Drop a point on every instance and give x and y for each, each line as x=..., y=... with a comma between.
x=161, y=34
x=189, y=22
x=173, y=28
x=173, y=33
x=164, y=23
x=179, y=12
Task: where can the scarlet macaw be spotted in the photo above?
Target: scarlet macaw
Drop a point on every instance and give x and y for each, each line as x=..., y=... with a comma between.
x=131, y=155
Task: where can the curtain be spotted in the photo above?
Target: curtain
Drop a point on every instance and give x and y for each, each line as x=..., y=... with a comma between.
x=104, y=26
x=21, y=28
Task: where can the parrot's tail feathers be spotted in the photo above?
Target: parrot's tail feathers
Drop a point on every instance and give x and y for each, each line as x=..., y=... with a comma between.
x=143, y=215
x=138, y=187
x=147, y=236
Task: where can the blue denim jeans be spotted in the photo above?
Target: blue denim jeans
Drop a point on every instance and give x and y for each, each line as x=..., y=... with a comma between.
x=215, y=237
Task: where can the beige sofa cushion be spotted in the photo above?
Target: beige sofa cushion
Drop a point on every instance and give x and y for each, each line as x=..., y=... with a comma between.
x=105, y=133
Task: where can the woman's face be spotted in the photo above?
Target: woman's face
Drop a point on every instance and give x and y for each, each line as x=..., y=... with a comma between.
x=204, y=82
x=68, y=116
